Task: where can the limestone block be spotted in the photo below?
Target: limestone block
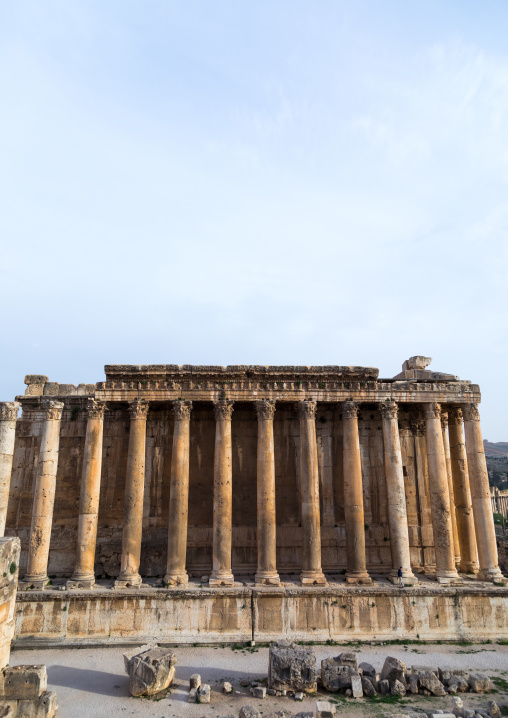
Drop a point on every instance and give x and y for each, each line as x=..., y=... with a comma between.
x=479, y=682
x=348, y=659
x=384, y=687
x=394, y=670
x=85, y=389
x=493, y=710
x=416, y=362
x=42, y=707
x=458, y=684
x=129, y=655
x=356, y=685
x=226, y=687
x=398, y=688
x=368, y=688
x=193, y=696
x=458, y=707
x=35, y=379
x=203, y=693
x=324, y=709
x=430, y=681
x=413, y=683
x=195, y=681
x=334, y=675
x=446, y=674
x=299, y=696
x=68, y=390
x=292, y=667
x=24, y=682
x=150, y=671
x=367, y=669
x=259, y=692
x=52, y=388
x=249, y=711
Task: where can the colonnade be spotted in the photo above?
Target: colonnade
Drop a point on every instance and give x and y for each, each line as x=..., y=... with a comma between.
x=461, y=513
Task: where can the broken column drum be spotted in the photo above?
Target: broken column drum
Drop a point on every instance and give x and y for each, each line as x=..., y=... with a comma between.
x=171, y=484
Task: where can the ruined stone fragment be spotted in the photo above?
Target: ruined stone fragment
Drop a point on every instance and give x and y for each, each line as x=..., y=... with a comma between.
x=299, y=696
x=356, y=685
x=493, y=710
x=413, y=683
x=227, y=687
x=368, y=688
x=384, y=687
x=458, y=684
x=336, y=676
x=394, y=670
x=368, y=669
x=193, y=696
x=8, y=710
x=458, y=707
x=42, y=707
x=24, y=682
x=150, y=671
x=195, y=680
x=430, y=681
x=249, y=711
x=203, y=694
x=324, y=709
x=292, y=667
x=348, y=659
x=398, y=688
x=259, y=692
x=479, y=682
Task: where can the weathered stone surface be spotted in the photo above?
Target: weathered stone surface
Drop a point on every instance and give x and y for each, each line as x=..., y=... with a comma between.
x=356, y=685
x=394, y=670
x=195, y=681
x=384, y=687
x=336, y=676
x=368, y=688
x=249, y=711
x=493, y=710
x=348, y=659
x=150, y=671
x=8, y=710
x=458, y=707
x=430, y=681
x=367, y=669
x=416, y=362
x=259, y=692
x=324, y=709
x=292, y=667
x=479, y=682
x=226, y=687
x=193, y=696
x=299, y=696
x=398, y=688
x=42, y=707
x=413, y=683
x=203, y=693
x=446, y=674
x=24, y=682
x=458, y=684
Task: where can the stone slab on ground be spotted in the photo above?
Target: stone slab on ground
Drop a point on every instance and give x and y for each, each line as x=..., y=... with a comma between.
x=150, y=670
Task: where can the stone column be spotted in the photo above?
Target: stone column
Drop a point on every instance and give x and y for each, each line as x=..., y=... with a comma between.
x=480, y=493
x=134, y=489
x=84, y=576
x=462, y=493
x=222, y=496
x=446, y=445
x=266, y=534
x=179, y=496
x=439, y=497
x=44, y=497
x=353, y=497
x=312, y=574
x=8, y=415
x=396, y=495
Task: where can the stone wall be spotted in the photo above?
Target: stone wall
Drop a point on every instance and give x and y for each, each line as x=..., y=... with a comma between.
x=9, y=569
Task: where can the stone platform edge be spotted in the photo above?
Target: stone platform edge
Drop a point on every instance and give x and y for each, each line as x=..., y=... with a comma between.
x=205, y=616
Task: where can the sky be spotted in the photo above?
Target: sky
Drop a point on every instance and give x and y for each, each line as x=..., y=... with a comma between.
x=269, y=182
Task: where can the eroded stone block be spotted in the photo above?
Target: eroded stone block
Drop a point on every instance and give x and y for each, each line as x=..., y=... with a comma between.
x=394, y=670
x=24, y=682
x=42, y=707
x=368, y=669
x=398, y=688
x=203, y=693
x=493, y=710
x=249, y=711
x=150, y=671
x=479, y=682
x=356, y=685
x=430, y=681
x=195, y=680
x=292, y=667
x=324, y=709
x=259, y=692
x=368, y=688
x=336, y=676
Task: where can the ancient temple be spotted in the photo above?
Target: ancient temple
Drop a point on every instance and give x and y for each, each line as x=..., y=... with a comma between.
x=248, y=473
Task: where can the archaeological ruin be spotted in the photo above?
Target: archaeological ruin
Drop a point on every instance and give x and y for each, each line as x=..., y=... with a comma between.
x=186, y=503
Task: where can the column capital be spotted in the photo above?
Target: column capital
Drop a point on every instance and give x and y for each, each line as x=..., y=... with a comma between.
x=444, y=419
x=471, y=412
x=350, y=409
x=265, y=409
x=181, y=409
x=53, y=409
x=223, y=409
x=432, y=410
x=389, y=409
x=455, y=417
x=95, y=409
x=307, y=409
x=417, y=427
x=9, y=410
x=138, y=409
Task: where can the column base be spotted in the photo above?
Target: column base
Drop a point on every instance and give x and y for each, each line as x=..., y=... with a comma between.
x=493, y=575
x=176, y=579
x=472, y=567
x=267, y=578
x=221, y=579
x=408, y=578
x=85, y=582
x=37, y=583
x=447, y=577
x=133, y=581
x=361, y=577
x=313, y=578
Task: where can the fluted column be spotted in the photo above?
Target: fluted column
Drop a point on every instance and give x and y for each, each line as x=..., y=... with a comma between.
x=312, y=574
x=134, y=490
x=446, y=445
x=179, y=496
x=480, y=494
x=266, y=573
x=396, y=495
x=353, y=497
x=222, y=496
x=84, y=575
x=439, y=497
x=462, y=494
x=44, y=497
x=8, y=415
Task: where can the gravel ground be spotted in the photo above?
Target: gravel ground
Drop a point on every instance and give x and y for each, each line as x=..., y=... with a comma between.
x=92, y=682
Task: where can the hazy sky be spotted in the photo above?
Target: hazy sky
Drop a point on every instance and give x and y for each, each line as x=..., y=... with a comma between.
x=264, y=182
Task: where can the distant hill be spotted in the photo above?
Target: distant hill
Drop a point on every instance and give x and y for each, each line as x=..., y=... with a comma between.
x=499, y=448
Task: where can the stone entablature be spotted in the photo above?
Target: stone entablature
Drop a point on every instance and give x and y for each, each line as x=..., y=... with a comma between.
x=250, y=469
